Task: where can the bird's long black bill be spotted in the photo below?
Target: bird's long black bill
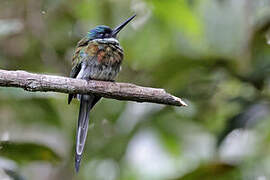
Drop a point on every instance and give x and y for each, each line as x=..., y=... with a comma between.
x=121, y=26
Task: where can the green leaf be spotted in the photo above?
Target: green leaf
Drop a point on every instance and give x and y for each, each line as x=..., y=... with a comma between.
x=213, y=171
x=24, y=152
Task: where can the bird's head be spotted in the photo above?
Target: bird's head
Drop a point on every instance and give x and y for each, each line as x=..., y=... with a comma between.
x=102, y=32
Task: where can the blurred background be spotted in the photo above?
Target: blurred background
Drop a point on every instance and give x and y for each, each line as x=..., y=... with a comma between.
x=215, y=54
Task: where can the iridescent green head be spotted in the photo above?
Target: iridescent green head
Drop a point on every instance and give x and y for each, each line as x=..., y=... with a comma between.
x=101, y=32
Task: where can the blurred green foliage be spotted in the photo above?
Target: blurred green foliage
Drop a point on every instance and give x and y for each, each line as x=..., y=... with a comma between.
x=25, y=152
x=213, y=53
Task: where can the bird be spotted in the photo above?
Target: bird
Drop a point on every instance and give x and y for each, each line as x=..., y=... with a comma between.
x=98, y=56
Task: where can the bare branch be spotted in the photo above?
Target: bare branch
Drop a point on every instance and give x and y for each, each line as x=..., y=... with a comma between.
x=120, y=91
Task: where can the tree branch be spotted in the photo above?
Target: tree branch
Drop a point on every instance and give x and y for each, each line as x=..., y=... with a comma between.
x=120, y=91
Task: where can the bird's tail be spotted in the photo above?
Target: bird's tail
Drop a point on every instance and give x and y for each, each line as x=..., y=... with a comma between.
x=83, y=121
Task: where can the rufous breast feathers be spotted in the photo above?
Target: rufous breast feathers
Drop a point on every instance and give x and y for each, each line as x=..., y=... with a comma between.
x=106, y=51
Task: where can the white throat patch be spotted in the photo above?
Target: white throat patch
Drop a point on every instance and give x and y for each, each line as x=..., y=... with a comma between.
x=107, y=40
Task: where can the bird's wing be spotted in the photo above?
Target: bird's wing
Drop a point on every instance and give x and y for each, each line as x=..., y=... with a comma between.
x=86, y=51
x=83, y=42
x=77, y=57
x=77, y=61
x=77, y=64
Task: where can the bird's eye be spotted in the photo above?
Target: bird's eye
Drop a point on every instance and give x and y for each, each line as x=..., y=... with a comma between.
x=101, y=35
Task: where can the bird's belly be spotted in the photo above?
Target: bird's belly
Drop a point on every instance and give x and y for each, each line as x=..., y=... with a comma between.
x=99, y=71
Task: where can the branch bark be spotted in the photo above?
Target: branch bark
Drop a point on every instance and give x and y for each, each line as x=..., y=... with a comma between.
x=119, y=91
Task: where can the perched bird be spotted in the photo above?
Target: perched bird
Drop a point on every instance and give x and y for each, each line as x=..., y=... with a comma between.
x=98, y=56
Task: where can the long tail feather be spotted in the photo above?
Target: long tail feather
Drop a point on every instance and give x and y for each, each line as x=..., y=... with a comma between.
x=83, y=121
